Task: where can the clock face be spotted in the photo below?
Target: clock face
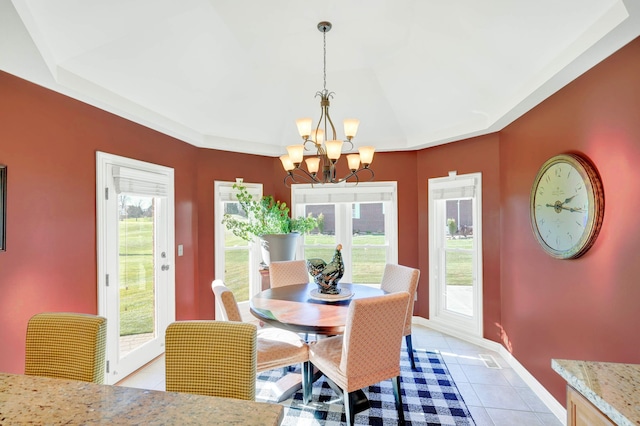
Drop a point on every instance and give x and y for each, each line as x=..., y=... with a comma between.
x=567, y=206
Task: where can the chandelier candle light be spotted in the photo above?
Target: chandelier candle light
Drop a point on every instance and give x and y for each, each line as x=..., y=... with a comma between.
x=327, y=152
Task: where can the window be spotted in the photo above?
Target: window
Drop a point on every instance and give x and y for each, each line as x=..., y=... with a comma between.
x=455, y=252
x=237, y=261
x=361, y=217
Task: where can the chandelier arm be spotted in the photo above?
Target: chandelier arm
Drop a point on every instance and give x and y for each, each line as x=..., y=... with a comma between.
x=311, y=141
x=320, y=119
x=350, y=142
x=303, y=176
x=289, y=176
x=356, y=174
x=328, y=117
x=370, y=171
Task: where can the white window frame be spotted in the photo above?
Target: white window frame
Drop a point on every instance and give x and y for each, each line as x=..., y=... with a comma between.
x=344, y=194
x=224, y=192
x=439, y=316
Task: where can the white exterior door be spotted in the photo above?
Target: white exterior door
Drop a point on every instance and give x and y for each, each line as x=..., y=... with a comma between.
x=135, y=260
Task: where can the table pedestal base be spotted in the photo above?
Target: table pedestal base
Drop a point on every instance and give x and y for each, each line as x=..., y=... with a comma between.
x=286, y=386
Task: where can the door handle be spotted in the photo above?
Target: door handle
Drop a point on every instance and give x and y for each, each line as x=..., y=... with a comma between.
x=164, y=267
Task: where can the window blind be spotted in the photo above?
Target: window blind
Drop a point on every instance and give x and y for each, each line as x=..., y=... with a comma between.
x=226, y=192
x=454, y=189
x=140, y=182
x=333, y=195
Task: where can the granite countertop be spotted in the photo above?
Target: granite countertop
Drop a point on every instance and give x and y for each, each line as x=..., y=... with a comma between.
x=42, y=400
x=613, y=388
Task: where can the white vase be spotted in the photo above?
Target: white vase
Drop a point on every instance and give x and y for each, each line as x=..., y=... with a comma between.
x=278, y=247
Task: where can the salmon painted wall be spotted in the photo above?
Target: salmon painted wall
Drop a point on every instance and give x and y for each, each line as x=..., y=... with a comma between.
x=585, y=308
x=479, y=154
x=49, y=143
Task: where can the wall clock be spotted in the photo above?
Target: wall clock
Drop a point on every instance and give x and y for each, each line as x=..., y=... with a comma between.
x=567, y=206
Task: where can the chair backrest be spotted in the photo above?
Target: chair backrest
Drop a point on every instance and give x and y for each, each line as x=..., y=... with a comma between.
x=401, y=278
x=372, y=339
x=227, y=301
x=288, y=273
x=215, y=358
x=66, y=345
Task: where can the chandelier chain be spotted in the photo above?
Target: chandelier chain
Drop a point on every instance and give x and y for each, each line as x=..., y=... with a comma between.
x=324, y=68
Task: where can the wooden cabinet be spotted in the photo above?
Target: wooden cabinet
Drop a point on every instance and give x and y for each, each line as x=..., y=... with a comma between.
x=581, y=412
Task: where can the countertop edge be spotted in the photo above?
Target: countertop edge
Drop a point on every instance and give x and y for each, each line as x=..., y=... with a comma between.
x=588, y=393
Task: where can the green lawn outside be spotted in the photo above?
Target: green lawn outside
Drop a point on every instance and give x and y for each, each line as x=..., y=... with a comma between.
x=136, y=276
x=459, y=265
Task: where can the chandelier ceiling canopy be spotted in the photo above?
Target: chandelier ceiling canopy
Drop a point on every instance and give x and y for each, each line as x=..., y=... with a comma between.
x=321, y=166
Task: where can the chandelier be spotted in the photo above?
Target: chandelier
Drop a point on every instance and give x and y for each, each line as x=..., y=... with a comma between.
x=327, y=152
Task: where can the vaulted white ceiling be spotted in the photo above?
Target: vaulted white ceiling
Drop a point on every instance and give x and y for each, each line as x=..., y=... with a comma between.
x=235, y=74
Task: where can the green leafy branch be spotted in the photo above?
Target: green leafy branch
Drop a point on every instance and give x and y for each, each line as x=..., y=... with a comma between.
x=264, y=216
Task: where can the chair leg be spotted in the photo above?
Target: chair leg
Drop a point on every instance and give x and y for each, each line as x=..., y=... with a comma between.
x=410, y=351
x=349, y=409
x=397, y=392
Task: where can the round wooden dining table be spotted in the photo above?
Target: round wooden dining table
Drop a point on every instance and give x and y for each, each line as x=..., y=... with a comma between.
x=297, y=308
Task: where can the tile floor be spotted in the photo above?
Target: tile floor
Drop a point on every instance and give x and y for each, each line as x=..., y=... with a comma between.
x=495, y=396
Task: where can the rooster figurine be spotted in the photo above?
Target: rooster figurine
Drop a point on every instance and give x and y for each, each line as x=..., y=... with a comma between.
x=326, y=275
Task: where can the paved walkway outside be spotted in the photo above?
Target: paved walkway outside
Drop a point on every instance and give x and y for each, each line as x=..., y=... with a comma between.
x=129, y=343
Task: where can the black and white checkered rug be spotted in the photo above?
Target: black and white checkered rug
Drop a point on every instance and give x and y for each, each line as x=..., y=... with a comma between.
x=429, y=395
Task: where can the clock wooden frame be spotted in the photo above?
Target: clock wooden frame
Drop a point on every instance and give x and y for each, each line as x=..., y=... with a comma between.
x=595, y=205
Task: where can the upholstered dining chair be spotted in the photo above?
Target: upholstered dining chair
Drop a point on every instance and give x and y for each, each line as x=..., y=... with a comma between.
x=367, y=353
x=288, y=273
x=215, y=358
x=276, y=348
x=403, y=278
x=66, y=345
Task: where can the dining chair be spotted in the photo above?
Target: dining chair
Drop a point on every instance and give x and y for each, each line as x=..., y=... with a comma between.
x=66, y=345
x=367, y=353
x=288, y=273
x=276, y=347
x=403, y=278
x=215, y=358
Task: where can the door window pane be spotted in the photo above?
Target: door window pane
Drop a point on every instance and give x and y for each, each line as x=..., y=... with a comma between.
x=368, y=264
x=236, y=257
x=325, y=233
x=136, y=268
x=369, y=248
x=459, y=247
x=321, y=242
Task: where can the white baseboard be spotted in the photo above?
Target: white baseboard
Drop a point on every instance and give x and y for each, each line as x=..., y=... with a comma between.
x=552, y=404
